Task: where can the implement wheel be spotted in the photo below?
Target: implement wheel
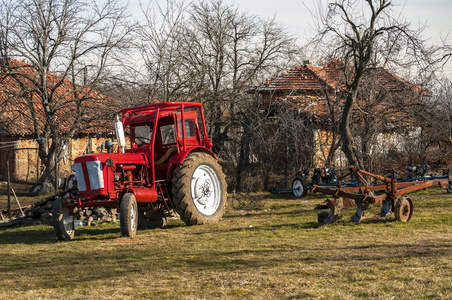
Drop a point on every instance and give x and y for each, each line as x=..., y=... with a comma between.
x=403, y=210
x=128, y=217
x=199, y=190
x=63, y=223
x=298, y=187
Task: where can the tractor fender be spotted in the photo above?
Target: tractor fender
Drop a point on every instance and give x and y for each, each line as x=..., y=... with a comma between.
x=179, y=158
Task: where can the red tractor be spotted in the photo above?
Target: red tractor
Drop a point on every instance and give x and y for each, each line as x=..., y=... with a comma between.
x=166, y=166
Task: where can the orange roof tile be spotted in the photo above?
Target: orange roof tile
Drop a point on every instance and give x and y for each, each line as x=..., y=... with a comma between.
x=331, y=75
x=16, y=116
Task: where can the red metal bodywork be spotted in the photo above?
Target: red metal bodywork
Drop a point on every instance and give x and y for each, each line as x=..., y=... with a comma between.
x=144, y=169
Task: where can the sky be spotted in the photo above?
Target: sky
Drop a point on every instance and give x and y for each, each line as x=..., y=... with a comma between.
x=295, y=15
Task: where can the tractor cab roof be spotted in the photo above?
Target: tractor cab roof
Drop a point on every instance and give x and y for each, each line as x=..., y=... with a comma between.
x=148, y=113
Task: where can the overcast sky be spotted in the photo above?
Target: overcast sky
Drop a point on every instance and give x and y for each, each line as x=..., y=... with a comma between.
x=295, y=15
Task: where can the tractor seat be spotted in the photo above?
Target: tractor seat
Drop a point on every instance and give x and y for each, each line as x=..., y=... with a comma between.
x=166, y=156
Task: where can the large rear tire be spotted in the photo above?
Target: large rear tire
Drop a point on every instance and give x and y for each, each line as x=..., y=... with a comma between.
x=128, y=217
x=199, y=190
x=63, y=223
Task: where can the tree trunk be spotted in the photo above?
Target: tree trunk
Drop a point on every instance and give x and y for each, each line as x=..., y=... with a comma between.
x=348, y=142
x=243, y=158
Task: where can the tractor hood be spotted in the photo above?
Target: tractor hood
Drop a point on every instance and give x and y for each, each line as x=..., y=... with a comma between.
x=94, y=172
x=117, y=158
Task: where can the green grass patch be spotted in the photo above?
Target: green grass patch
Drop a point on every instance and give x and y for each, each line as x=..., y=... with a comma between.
x=277, y=251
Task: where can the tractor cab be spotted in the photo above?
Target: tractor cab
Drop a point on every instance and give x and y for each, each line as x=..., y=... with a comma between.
x=157, y=130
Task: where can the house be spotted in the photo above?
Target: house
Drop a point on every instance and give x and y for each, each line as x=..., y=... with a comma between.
x=18, y=147
x=386, y=106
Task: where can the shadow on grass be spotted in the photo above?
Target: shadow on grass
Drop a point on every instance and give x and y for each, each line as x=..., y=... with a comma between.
x=27, y=236
x=32, y=235
x=250, y=213
x=97, y=233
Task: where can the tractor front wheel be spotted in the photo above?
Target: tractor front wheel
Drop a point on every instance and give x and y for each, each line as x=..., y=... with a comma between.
x=199, y=190
x=128, y=215
x=63, y=223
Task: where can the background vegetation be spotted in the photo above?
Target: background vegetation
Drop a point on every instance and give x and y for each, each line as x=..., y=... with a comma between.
x=213, y=52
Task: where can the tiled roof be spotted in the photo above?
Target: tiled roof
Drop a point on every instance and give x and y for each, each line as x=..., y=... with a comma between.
x=299, y=78
x=302, y=87
x=311, y=78
x=16, y=116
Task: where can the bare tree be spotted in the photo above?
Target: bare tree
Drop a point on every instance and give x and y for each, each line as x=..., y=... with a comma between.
x=438, y=126
x=159, y=42
x=230, y=49
x=211, y=52
x=365, y=34
x=72, y=39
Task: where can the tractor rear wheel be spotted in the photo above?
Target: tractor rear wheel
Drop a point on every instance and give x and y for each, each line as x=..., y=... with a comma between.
x=63, y=223
x=199, y=189
x=128, y=215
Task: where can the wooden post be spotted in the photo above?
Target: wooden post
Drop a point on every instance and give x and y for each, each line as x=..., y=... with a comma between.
x=17, y=201
x=37, y=167
x=8, y=185
x=28, y=164
x=56, y=174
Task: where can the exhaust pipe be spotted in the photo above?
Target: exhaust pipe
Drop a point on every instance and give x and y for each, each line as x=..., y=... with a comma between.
x=120, y=135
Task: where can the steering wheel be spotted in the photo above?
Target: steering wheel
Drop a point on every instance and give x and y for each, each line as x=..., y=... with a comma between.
x=143, y=140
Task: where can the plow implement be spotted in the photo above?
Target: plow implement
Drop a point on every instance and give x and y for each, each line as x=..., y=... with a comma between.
x=391, y=195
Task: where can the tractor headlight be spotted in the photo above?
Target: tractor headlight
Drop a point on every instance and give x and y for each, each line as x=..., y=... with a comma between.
x=109, y=162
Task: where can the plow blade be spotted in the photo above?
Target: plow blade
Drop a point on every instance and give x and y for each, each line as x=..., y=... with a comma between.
x=385, y=209
x=359, y=214
x=328, y=217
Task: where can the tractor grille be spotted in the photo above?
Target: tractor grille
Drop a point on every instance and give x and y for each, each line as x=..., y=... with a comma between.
x=89, y=175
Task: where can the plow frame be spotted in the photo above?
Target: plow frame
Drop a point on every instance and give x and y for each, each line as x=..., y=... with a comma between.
x=361, y=196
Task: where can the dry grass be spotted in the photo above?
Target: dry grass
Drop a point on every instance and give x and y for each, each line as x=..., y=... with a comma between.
x=275, y=252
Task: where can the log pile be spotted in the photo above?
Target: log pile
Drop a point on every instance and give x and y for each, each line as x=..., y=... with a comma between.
x=40, y=212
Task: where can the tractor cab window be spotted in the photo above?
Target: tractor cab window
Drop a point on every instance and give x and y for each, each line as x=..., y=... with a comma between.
x=190, y=128
x=143, y=135
x=168, y=134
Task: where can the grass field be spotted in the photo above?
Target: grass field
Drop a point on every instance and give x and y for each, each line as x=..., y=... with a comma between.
x=277, y=251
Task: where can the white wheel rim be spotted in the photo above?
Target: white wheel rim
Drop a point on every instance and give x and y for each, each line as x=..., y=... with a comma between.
x=68, y=221
x=133, y=216
x=205, y=190
x=298, y=188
